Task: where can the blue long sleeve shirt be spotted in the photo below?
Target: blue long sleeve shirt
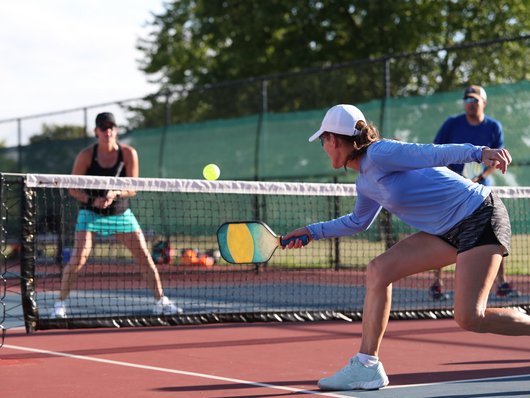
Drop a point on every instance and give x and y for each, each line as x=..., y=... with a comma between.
x=411, y=182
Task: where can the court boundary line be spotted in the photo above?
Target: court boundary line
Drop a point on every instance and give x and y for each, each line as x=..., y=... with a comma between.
x=458, y=381
x=174, y=371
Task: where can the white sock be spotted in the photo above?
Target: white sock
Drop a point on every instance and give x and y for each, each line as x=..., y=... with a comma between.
x=367, y=360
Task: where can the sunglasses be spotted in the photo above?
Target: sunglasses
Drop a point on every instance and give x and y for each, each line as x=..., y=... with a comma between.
x=470, y=100
x=105, y=127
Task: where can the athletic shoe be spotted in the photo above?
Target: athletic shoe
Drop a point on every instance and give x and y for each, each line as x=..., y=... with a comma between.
x=436, y=293
x=506, y=290
x=355, y=376
x=165, y=306
x=59, y=310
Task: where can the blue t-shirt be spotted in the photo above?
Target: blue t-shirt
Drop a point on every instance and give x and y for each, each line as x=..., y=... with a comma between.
x=409, y=180
x=457, y=130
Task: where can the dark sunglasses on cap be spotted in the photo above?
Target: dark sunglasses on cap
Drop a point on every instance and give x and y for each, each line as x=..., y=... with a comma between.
x=106, y=126
x=470, y=100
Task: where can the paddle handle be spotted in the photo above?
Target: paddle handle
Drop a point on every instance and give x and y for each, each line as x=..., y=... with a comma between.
x=303, y=238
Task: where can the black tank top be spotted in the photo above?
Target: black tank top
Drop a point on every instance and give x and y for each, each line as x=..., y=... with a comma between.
x=118, y=206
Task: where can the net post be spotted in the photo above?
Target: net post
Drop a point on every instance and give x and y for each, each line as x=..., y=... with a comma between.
x=27, y=257
x=3, y=226
x=3, y=260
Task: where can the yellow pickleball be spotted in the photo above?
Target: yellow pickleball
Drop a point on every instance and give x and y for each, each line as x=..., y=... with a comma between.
x=211, y=172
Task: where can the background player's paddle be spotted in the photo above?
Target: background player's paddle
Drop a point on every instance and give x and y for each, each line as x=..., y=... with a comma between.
x=250, y=242
x=118, y=172
x=119, y=169
x=473, y=170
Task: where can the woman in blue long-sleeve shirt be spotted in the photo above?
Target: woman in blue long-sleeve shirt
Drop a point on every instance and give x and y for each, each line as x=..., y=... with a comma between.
x=459, y=221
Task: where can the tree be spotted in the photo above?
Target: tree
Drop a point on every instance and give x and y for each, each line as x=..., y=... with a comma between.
x=196, y=44
x=53, y=132
x=8, y=159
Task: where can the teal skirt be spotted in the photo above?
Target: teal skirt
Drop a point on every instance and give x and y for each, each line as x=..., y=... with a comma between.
x=106, y=225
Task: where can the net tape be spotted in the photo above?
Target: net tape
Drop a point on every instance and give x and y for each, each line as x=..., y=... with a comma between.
x=224, y=186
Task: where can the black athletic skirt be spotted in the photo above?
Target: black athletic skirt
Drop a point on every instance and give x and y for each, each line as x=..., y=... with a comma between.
x=489, y=224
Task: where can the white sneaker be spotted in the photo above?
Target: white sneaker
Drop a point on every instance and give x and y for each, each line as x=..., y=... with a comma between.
x=59, y=310
x=165, y=306
x=355, y=376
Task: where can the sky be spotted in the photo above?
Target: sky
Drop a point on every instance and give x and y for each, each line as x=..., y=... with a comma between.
x=64, y=54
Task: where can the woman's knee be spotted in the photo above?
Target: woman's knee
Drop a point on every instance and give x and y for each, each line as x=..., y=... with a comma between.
x=376, y=274
x=73, y=268
x=470, y=320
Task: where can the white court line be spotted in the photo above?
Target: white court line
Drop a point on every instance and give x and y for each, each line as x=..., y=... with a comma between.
x=174, y=371
x=441, y=383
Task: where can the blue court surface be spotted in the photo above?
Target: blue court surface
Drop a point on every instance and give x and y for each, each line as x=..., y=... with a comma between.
x=501, y=387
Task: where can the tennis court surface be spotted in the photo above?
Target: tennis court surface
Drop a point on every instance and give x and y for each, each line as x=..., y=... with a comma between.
x=424, y=358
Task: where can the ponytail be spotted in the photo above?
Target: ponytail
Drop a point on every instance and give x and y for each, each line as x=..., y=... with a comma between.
x=361, y=141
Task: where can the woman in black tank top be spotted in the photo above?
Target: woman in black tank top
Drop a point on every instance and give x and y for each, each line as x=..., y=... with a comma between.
x=118, y=205
x=107, y=212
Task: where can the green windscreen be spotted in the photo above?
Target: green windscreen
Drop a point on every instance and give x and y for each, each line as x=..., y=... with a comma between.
x=274, y=146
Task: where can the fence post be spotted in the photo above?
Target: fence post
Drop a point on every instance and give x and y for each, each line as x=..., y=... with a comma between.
x=386, y=92
x=85, y=125
x=259, y=129
x=19, y=137
x=167, y=122
x=385, y=218
x=260, y=205
x=336, y=241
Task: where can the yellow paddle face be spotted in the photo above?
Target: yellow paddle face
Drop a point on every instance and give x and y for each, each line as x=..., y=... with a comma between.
x=240, y=243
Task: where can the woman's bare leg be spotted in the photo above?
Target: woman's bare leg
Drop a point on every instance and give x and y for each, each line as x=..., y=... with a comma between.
x=135, y=242
x=82, y=248
x=476, y=270
x=417, y=253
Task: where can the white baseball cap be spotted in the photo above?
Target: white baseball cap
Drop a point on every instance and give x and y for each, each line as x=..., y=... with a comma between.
x=340, y=119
